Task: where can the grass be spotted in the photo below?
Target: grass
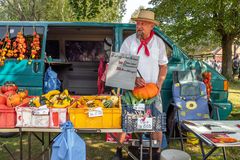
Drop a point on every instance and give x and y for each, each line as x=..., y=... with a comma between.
x=98, y=149
x=234, y=96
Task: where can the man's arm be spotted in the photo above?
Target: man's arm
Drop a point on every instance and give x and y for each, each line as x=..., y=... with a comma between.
x=161, y=75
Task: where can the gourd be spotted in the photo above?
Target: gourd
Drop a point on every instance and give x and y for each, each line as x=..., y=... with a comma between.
x=22, y=93
x=13, y=100
x=149, y=91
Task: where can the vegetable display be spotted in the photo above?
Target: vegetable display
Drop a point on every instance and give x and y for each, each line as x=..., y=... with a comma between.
x=149, y=91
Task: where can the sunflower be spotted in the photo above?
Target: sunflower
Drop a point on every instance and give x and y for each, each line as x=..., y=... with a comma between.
x=191, y=105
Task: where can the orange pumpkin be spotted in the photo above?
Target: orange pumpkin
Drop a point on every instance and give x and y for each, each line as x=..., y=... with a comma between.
x=150, y=90
x=13, y=100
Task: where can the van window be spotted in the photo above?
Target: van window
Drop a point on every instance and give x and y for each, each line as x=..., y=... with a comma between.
x=84, y=51
x=52, y=48
x=27, y=32
x=78, y=44
x=3, y=31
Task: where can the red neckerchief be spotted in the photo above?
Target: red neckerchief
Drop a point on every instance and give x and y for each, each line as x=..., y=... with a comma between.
x=144, y=43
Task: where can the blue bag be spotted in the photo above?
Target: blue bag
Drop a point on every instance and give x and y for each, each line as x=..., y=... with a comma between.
x=51, y=82
x=68, y=145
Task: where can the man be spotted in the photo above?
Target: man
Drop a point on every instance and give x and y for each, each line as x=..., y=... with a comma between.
x=152, y=63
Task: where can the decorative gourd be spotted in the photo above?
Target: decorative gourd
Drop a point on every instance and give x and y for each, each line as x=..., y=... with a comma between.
x=150, y=90
x=13, y=100
x=23, y=93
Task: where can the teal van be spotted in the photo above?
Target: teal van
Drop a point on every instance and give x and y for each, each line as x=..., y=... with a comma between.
x=73, y=50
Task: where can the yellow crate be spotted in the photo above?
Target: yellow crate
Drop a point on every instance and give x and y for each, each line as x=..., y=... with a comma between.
x=111, y=117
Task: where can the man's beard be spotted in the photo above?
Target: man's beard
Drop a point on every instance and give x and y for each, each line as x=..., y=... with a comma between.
x=140, y=34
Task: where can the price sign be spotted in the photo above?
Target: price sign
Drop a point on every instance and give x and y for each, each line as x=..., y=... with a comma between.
x=122, y=70
x=144, y=124
x=97, y=112
x=139, y=107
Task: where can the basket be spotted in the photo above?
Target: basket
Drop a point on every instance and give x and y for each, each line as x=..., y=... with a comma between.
x=24, y=116
x=57, y=117
x=131, y=118
x=28, y=117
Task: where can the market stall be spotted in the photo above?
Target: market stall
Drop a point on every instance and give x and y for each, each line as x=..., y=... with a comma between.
x=89, y=114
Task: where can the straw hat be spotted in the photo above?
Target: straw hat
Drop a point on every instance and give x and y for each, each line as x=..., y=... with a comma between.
x=146, y=15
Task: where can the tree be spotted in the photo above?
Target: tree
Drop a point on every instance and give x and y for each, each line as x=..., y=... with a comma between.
x=23, y=10
x=59, y=10
x=36, y=10
x=98, y=10
x=192, y=23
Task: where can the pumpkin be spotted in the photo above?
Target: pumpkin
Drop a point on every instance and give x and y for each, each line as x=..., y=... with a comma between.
x=13, y=100
x=3, y=99
x=149, y=91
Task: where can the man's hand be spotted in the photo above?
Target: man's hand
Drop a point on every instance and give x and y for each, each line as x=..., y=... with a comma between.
x=140, y=82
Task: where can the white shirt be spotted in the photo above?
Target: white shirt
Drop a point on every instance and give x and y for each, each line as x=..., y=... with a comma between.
x=148, y=65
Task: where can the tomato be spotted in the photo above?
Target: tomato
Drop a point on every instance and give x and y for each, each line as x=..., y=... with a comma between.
x=9, y=86
x=9, y=93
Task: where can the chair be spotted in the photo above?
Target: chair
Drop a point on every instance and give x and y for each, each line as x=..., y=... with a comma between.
x=190, y=101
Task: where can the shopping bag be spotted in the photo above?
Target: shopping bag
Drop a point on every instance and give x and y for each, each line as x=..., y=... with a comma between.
x=68, y=145
x=51, y=82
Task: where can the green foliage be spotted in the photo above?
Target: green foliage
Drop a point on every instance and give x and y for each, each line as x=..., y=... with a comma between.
x=23, y=10
x=98, y=10
x=205, y=23
x=62, y=10
x=36, y=10
x=59, y=10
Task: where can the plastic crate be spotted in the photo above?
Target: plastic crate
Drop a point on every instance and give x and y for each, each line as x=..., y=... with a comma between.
x=24, y=116
x=7, y=118
x=40, y=120
x=111, y=117
x=27, y=117
x=130, y=118
x=57, y=117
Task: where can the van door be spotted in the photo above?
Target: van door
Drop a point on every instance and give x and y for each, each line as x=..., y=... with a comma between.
x=26, y=73
x=75, y=53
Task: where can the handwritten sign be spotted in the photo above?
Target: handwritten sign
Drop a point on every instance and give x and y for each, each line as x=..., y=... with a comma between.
x=97, y=112
x=144, y=124
x=122, y=70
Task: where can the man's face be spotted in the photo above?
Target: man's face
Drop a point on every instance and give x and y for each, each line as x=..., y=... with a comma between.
x=143, y=29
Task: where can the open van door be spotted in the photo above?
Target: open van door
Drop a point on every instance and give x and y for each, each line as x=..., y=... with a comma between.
x=26, y=73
